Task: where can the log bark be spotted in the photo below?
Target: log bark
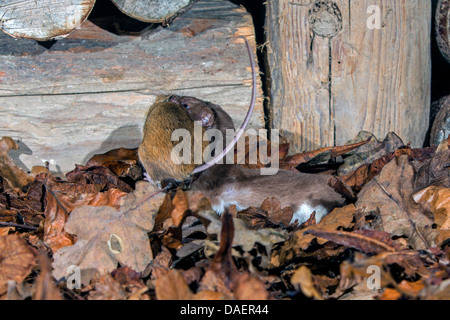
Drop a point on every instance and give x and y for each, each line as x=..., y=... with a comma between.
x=155, y=11
x=443, y=27
x=43, y=19
x=441, y=125
x=89, y=93
x=331, y=76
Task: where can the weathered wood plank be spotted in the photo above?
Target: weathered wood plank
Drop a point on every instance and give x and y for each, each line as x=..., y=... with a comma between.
x=90, y=92
x=152, y=10
x=44, y=19
x=326, y=88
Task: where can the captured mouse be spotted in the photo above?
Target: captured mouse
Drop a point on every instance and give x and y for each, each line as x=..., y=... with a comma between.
x=225, y=184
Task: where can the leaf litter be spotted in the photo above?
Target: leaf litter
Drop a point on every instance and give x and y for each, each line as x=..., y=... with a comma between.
x=130, y=241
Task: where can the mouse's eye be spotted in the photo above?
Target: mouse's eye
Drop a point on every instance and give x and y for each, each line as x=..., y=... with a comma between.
x=186, y=106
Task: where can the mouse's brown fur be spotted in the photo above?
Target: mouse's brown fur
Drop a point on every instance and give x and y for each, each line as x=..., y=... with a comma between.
x=163, y=118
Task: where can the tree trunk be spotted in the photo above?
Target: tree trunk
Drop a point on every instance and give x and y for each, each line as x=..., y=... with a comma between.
x=332, y=76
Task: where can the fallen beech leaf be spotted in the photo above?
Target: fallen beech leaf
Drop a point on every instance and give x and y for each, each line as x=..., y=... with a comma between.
x=107, y=288
x=15, y=176
x=390, y=295
x=320, y=155
x=353, y=240
x=55, y=218
x=161, y=263
x=6, y=230
x=99, y=176
x=302, y=279
x=17, y=259
x=391, y=195
x=123, y=284
x=222, y=274
x=434, y=171
x=242, y=236
x=181, y=207
x=107, y=236
x=275, y=213
x=45, y=287
x=62, y=198
x=338, y=218
x=172, y=286
x=369, y=152
x=116, y=155
x=247, y=287
x=437, y=201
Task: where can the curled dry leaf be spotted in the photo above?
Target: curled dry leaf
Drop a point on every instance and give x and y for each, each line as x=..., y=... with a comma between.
x=339, y=218
x=17, y=259
x=302, y=279
x=99, y=176
x=243, y=237
x=107, y=236
x=437, y=201
x=391, y=195
x=319, y=156
x=368, y=153
x=15, y=176
x=355, y=240
x=275, y=213
x=172, y=286
x=123, y=284
x=222, y=274
x=62, y=198
x=45, y=288
x=434, y=171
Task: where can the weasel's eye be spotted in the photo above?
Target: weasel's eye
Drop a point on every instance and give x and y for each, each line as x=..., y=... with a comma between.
x=186, y=106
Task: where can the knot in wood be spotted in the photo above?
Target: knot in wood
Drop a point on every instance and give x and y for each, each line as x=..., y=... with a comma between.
x=325, y=19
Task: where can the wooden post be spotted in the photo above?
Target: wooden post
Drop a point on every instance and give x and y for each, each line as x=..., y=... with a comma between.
x=340, y=67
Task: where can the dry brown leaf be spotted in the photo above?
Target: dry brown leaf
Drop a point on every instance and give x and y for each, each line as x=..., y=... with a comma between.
x=116, y=155
x=437, y=201
x=323, y=154
x=172, y=286
x=434, y=171
x=17, y=259
x=355, y=240
x=390, y=295
x=15, y=176
x=275, y=213
x=243, y=237
x=390, y=194
x=337, y=219
x=107, y=288
x=370, y=152
x=181, y=208
x=107, y=236
x=60, y=203
x=302, y=279
x=45, y=288
x=222, y=274
x=6, y=230
x=247, y=287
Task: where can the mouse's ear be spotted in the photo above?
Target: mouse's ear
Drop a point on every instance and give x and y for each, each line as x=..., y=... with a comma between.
x=207, y=119
x=162, y=98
